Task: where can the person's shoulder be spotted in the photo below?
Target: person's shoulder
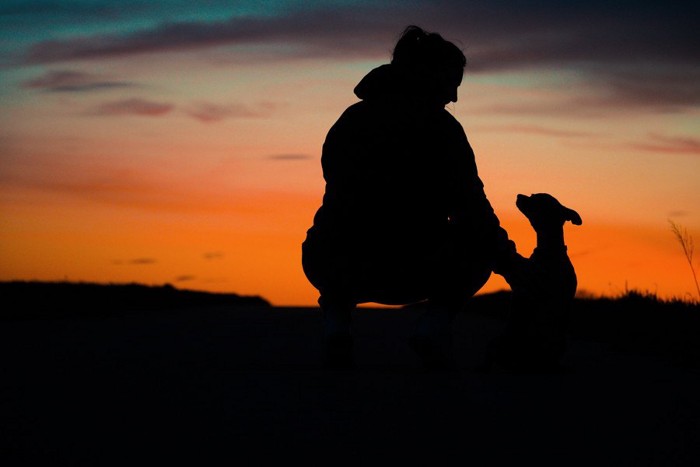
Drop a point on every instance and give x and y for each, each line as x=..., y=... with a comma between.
x=450, y=121
x=350, y=121
x=355, y=115
x=358, y=108
x=447, y=116
x=353, y=111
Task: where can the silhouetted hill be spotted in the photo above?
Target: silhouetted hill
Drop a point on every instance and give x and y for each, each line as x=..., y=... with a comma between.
x=35, y=299
x=633, y=322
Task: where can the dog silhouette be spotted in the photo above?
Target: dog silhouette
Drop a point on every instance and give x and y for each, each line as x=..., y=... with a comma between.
x=544, y=286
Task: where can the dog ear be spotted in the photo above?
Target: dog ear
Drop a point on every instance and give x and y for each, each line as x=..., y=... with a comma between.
x=571, y=215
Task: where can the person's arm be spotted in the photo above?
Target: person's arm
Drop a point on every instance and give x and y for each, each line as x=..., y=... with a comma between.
x=472, y=209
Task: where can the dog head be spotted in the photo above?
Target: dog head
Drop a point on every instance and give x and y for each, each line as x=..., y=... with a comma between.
x=543, y=210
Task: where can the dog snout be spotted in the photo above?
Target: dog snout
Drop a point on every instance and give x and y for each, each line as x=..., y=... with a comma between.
x=521, y=199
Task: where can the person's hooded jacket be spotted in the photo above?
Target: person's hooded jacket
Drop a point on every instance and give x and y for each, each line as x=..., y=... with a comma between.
x=401, y=183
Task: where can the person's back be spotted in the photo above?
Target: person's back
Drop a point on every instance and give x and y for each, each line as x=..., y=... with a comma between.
x=404, y=215
x=385, y=163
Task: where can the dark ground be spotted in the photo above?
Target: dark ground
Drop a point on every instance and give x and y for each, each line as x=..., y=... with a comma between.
x=215, y=385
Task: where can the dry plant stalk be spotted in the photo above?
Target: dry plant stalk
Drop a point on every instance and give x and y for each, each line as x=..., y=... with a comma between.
x=686, y=242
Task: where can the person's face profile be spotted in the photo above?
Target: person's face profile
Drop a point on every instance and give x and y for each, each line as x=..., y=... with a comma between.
x=450, y=81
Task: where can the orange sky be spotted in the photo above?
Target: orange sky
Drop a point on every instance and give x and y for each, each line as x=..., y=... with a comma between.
x=128, y=156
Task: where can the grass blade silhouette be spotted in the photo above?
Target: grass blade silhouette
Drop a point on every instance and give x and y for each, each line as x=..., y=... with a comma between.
x=688, y=246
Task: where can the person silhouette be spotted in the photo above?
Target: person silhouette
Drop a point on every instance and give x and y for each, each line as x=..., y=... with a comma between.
x=404, y=216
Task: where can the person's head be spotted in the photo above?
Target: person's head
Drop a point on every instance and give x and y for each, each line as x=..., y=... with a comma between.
x=435, y=63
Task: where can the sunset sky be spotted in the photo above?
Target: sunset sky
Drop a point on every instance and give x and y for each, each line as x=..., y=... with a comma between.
x=179, y=142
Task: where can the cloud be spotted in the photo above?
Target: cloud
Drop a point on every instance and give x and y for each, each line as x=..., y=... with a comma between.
x=605, y=96
x=185, y=278
x=669, y=144
x=589, y=106
x=208, y=113
x=130, y=185
x=142, y=261
x=640, y=53
x=313, y=30
x=663, y=88
x=133, y=188
x=134, y=106
x=213, y=255
x=53, y=9
x=537, y=130
x=289, y=157
x=203, y=111
x=72, y=81
x=678, y=213
x=498, y=34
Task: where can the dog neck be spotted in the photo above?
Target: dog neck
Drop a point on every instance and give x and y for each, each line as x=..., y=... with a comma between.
x=551, y=240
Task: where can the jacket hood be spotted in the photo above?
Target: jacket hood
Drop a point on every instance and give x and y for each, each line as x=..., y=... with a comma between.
x=383, y=82
x=390, y=83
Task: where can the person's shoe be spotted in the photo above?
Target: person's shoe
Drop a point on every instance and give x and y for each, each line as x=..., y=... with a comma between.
x=338, y=352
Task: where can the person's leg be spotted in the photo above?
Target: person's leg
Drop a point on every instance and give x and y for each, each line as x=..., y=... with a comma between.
x=337, y=331
x=330, y=275
x=432, y=335
x=438, y=316
x=431, y=338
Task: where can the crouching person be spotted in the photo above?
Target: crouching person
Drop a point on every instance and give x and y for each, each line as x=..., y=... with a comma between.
x=404, y=216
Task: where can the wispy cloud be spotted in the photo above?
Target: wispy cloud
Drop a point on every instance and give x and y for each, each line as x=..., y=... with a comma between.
x=30, y=9
x=212, y=255
x=134, y=106
x=289, y=157
x=576, y=106
x=204, y=112
x=498, y=34
x=537, y=130
x=207, y=112
x=142, y=261
x=317, y=31
x=604, y=97
x=129, y=187
x=116, y=186
x=640, y=53
x=669, y=144
x=663, y=88
x=678, y=213
x=185, y=278
x=72, y=81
